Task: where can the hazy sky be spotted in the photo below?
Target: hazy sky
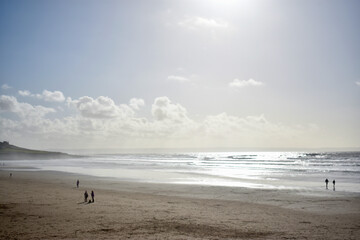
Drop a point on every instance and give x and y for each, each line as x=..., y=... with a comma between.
x=168, y=74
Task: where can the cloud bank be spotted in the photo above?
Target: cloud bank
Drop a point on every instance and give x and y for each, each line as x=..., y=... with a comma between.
x=100, y=122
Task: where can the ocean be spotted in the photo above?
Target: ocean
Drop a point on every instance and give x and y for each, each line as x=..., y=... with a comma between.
x=302, y=171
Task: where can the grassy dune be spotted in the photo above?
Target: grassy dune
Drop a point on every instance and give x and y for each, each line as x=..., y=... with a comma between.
x=11, y=152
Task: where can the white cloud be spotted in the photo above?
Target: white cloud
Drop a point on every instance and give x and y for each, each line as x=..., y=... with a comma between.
x=194, y=23
x=250, y=131
x=224, y=124
x=49, y=96
x=136, y=103
x=10, y=104
x=245, y=83
x=7, y=103
x=357, y=83
x=164, y=110
x=24, y=93
x=55, y=96
x=101, y=123
x=178, y=79
x=101, y=107
x=5, y=87
x=27, y=93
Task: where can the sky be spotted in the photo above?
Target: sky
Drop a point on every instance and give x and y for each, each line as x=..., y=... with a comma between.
x=162, y=74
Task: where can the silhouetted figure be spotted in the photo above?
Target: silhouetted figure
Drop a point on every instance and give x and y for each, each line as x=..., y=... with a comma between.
x=92, y=196
x=86, y=195
x=77, y=183
x=326, y=182
x=10, y=174
x=334, y=185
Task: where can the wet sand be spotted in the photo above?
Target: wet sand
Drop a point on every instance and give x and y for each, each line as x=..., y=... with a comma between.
x=47, y=205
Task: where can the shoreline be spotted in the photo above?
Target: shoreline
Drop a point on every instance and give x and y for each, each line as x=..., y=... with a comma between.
x=312, y=186
x=304, y=173
x=48, y=205
x=296, y=199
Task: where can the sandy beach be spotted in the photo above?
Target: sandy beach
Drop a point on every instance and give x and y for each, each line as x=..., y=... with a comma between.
x=47, y=205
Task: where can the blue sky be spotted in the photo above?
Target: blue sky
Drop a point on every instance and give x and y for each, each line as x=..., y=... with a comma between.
x=165, y=74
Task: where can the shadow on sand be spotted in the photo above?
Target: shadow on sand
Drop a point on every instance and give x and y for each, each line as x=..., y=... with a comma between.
x=85, y=202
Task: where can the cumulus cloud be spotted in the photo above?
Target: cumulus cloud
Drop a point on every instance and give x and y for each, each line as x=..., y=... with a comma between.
x=27, y=93
x=178, y=78
x=5, y=87
x=24, y=93
x=10, y=104
x=55, y=96
x=102, y=122
x=194, y=23
x=236, y=83
x=49, y=96
x=164, y=110
x=101, y=107
x=136, y=103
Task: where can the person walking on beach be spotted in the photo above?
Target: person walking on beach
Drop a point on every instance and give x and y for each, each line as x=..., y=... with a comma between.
x=86, y=195
x=77, y=183
x=92, y=196
x=334, y=185
x=326, y=182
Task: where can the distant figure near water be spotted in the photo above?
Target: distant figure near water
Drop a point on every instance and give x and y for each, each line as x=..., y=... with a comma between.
x=334, y=185
x=86, y=195
x=92, y=196
x=327, y=183
x=77, y=183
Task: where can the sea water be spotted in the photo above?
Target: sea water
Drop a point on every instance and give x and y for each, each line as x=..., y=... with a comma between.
x=269, y=170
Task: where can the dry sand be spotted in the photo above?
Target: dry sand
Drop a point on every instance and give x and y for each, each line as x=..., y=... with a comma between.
x=47, y=205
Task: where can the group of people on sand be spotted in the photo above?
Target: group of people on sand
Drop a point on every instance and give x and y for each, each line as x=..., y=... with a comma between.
x=86, y=195
x=327, y=184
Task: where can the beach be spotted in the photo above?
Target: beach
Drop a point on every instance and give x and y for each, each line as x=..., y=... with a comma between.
x=47, y=205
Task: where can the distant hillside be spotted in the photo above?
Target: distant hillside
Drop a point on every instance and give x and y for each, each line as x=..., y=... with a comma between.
x=11, y=152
